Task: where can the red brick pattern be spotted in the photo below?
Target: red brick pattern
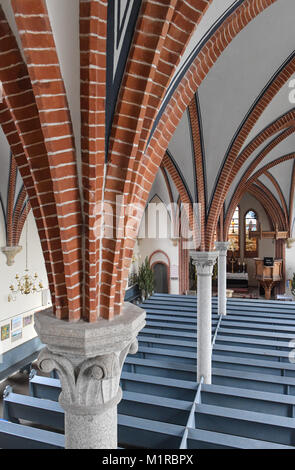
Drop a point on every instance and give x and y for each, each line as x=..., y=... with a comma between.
x=196, y=137
x=185, y=91
x=37, y=124
x=150, y=67
x=184, y=197
x=245, y=180
x=10, y=202
x=93, y=38
x=229, y=170
x=16, y=212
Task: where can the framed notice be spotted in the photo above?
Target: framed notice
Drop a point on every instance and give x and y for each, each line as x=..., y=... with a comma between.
x=174, y=271
x=28, y=320
x=16, y=335
x=16, y=323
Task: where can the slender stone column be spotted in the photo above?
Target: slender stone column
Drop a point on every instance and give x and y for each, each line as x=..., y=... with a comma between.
x=222, y=248
x=204, y=263
x=88, y=358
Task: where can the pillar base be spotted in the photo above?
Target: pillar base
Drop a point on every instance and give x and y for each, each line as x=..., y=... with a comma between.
x=88, y=358
x=10, y=252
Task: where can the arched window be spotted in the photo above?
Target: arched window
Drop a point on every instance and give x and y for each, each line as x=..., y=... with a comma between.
x=234, y=233
x=251, y=244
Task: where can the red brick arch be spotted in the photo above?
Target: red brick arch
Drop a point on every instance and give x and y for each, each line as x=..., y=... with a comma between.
x=159, y=42
x=270, y=204
x=16, y=212
x=150, y=161
x=261, y=156
x=35, y=145
x=228, y=171
x=191, y=81
x=246, y=184
x=198, y=156
x=52, y=190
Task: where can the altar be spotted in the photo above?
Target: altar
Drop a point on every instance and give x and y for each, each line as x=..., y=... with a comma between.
x=237, y=280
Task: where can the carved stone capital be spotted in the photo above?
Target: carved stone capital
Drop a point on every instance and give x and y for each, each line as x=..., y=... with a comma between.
x=92, y=386
x=204, y=262
x=10, y=252
x=222, y=247
x=88, y=357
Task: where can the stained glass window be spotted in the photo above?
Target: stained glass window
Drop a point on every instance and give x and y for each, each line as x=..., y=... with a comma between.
x=234, y=233
x=251, y=244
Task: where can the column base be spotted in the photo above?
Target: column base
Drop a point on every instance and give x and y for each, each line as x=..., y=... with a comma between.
x=88, y=358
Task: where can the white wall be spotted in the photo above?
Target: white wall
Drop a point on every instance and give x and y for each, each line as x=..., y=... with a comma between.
x=154, y=234
x=23, y=305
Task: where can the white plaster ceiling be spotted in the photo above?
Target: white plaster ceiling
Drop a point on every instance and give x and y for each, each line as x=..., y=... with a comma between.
x=231, y=87
x=159, y=189
x=5, y=165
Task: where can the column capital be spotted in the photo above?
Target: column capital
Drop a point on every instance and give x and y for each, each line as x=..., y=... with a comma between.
x=10, y=252
x=222, y=247
x=204, y=261
x=89, y=357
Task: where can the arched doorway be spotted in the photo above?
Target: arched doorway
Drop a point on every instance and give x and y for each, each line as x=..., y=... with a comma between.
x=161, y=278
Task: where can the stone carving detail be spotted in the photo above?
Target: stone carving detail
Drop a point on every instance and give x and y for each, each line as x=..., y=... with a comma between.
x=10, y=252
x=91, y=386
x=204, y=262
x=222, y=247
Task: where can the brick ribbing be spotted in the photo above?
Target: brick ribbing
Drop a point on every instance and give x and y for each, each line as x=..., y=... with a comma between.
x=16, y=212
x=184, y=197
x=285, y=121
x=246, y=185
x=93, y=33
x=228, y=171
x=9, y=129
x=10, y=201
x=197, y=148
x=186, y=17
x=271, y=204
x=281, y=196
x=250, y=170
x=20, y=222
x=173, y=215
x=152, y=25
x=136, y=196
x=184, y=93
x=57, y=144
x=141, y=96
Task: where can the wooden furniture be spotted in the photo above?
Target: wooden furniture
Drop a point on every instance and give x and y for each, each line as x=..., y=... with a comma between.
x=268, y=276
x=260, y=234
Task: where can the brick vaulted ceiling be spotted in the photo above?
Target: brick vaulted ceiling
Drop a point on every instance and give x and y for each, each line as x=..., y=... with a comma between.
x=94, y=94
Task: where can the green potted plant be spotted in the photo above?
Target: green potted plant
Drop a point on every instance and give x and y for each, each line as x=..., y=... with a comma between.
x=145, y=279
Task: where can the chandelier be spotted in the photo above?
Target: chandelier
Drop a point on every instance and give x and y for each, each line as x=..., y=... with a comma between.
x=26, y=283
